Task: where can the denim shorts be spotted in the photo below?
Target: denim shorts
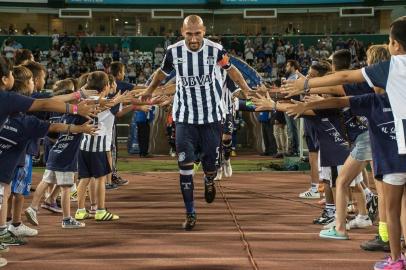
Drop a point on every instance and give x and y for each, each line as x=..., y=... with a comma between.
x=362, y=148
x=22, y=180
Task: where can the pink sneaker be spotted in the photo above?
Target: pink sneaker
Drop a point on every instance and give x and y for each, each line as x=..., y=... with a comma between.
x=388, y=264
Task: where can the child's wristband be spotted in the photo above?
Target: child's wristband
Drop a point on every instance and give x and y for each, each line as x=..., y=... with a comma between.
x=75, y=109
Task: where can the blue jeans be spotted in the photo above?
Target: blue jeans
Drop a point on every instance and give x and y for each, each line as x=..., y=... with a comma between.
x=293, y=138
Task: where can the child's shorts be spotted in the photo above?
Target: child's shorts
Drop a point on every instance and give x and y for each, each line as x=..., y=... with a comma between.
x=22, y=180
x=59, y=178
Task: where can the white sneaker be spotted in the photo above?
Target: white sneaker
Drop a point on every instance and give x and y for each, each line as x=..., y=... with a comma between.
x=309, y=194
x=228, y=170
x=359, y=223
x=219, y=175
x=22, y=230
x=31, y=215
x=3, y=262
x=330, y=225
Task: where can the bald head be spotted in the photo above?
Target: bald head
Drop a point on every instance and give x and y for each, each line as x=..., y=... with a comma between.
x=193, y=20
x=193, y=30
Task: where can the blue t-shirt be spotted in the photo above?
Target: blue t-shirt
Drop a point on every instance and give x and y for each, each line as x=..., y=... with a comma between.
x=351, y=125
x=10, y=103
x=54, y=118
x=376, y=108
x=334, y=149
x=41, y=95
x=14, y=137
x=33, y=148
x=355, y=89
x=377, y=74
x=63, y=156
x=123, y=86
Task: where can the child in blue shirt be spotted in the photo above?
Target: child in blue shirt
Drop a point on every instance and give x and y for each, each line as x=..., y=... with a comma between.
x=386, y=75
x=18, y=130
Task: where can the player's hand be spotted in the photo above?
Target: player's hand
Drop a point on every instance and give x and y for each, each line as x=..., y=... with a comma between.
x=87, y=110
x=144, y=108
x=167, y=102
x=262, y=89
x=164, y=101
x=248, y=93
x=137, y=91
x=126, y=97
x=145, y=95
x=290, y=93
x=263, y=103
x=88, y=128
x=296, y=109
x=313, y=98
x=295, y=92
x=293, y=85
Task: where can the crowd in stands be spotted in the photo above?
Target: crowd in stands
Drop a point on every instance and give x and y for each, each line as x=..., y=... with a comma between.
x=67, y=58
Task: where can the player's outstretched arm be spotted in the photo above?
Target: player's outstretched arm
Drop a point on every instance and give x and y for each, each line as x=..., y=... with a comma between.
x=50, y=105
x=237, y=77
x=69, y=128
x=159, y=76
x=266, y=103
x=332, y=90
x=299, y=108
x=338, y=78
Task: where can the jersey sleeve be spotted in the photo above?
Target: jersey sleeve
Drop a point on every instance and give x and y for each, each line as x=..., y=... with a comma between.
x=41, y=95
x=17, y=103
x=167, y=63
x=355, y=89
x=377, y=74
x=115, y=109
x=362, y=105
x=35, y=128
x=223, y=60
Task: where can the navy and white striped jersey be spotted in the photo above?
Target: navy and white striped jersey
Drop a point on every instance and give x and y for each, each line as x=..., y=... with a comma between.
x=198, y=97
x=229, y=87
x=102, y=141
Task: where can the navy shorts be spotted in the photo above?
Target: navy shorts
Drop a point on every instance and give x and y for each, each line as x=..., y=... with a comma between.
x=203, y=139
x=228, y=126
x=311, y=145
x=310, y=136
x=93, y=164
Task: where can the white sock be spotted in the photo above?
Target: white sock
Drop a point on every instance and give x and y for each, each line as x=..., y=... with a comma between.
x=73, y=188
x=363, y=216
x=368, y=193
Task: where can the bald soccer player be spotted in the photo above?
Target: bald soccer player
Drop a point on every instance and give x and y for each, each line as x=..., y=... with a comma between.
x=198, y=109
